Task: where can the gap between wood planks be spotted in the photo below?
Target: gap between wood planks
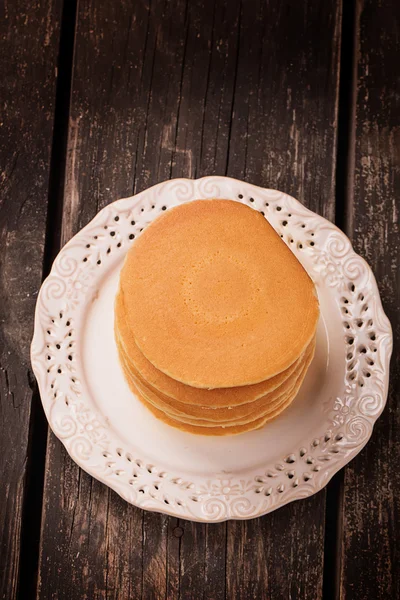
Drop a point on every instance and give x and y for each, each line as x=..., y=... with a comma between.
x=343, y=200
x=31, y=523
x=37, y=443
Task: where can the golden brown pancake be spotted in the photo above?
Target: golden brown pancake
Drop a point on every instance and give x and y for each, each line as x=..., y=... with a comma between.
x=179, y=391
x=260, y=412
x=219, y=414
x=215, y=298
x=213, y=431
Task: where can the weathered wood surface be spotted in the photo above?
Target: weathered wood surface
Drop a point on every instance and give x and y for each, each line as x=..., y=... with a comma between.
x=29, y=37
x=186, y=89
x=370, y=549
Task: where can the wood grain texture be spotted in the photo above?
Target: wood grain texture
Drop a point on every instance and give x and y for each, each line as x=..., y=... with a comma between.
x=171, y=89
x=29, y=37
x=370, y=550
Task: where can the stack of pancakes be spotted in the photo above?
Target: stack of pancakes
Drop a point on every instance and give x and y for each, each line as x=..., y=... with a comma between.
x=215, y=319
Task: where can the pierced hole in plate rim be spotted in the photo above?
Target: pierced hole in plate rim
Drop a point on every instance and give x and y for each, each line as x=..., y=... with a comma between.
x=290, y=459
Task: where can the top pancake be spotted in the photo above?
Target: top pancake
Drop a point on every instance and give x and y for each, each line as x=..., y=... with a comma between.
x=214, y=297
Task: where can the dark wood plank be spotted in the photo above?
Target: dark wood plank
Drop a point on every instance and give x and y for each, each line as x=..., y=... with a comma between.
x=91, y=540
x=370, y=550
x=284, y=136
x=29, y=39
x=188, y=89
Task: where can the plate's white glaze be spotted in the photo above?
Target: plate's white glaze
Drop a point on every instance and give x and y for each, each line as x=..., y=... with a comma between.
x=114, y=438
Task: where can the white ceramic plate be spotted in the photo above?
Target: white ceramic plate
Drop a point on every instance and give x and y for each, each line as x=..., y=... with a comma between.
x=113, y=437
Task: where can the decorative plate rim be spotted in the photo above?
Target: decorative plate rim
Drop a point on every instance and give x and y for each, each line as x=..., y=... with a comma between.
x=85, y=436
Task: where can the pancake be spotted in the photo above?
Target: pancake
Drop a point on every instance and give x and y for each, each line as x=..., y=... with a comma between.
x=215, y=298
x=213, y=431
x=261, y=411
x=217, y=414
x=179, y=391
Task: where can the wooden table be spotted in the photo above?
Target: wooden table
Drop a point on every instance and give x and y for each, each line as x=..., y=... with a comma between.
x=99, y=100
